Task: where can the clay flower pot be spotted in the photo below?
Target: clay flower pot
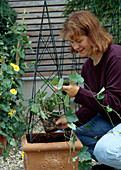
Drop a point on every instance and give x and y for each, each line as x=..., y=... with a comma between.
x=49, y=155
x=3, y=141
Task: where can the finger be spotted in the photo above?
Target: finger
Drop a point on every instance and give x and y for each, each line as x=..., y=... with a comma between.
x=63, y=127
x=65, y=88
x=55, y=87
x=58, y=122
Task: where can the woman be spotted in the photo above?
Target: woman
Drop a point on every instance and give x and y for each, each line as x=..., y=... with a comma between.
x=101, y=69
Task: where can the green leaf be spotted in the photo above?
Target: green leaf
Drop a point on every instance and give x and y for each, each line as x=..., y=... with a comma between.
x=4, y=108
x=5, y=154
x=21, y=72
x=2, y=124
x=84, y=154
x=4, y=66
x=19, y=82
x=67, y=100
x=6, y=82
x=88, y=126
x=99, y=95
x=17, y=124
x=75, y=77
x=13, y=142
x=75, y=158
x=1, y=76
x=84, y=165
x=35, y=108
x=50, y=107
x=1, y=42
x=72, y=126
x=5, y=48
x=42, y=114
x=95, y=137
x=71, y=117
x=58, y=101
x=66, y=82
x=60, y=84
x=109, y=109
x=55, y=80
x=9, y=72
x=2, y=133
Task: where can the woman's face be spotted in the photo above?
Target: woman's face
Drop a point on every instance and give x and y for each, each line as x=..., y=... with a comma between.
x=83, y=46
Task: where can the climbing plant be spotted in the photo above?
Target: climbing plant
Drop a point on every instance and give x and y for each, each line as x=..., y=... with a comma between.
x=108, y=13
x=7, y=17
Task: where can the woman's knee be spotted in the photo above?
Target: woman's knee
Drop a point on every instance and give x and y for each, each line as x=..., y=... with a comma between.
x=108, y=150
x=100, y=151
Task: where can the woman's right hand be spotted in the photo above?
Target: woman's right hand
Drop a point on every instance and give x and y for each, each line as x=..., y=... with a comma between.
x=72, y=89
x=62, y=123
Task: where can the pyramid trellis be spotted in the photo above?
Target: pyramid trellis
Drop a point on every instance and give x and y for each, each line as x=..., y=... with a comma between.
x=63, y=64
x=46, y=46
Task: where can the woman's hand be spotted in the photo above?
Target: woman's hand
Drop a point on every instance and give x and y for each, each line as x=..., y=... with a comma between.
x=72, y=89
x=62, y=123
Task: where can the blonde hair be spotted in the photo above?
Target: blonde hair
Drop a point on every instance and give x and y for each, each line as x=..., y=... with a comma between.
x=85, y=23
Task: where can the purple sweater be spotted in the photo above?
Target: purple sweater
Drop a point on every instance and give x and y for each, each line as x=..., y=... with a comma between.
x=107, y=73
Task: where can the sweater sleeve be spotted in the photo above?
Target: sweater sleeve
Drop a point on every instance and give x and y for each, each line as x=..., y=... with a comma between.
x=112, y=94
x=84, y=114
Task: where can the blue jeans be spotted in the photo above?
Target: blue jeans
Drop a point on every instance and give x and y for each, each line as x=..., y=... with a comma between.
x=103, y=141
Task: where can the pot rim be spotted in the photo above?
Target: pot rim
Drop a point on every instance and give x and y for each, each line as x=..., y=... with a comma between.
x=33, y=147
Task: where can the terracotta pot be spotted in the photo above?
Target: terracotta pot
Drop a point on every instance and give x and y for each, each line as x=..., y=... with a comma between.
x=3, y=141
x=49, y=156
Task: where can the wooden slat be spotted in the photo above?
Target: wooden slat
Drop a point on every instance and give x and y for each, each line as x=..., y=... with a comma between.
x=27, y=3
x=45, y=22
x=39, y=15
x=36, y=9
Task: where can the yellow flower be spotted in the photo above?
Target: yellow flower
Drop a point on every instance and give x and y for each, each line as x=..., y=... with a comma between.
x=22, y=154
x=10, y=113
x=13, y=91
x=12, y=64
x=14, y=111
x=16, y=67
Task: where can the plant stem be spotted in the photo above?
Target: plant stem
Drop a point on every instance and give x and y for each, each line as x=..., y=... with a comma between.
x=100, y=104
x=3, y=61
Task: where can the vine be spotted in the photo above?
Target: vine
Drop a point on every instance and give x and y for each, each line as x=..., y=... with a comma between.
x=108, y=13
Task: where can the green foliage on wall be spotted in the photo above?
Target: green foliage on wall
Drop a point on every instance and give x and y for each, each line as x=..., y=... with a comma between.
x=7, y=17
x=6, y=12
x=108, y=13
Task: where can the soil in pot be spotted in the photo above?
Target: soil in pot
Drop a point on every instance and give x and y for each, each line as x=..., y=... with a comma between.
x=48, y=138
